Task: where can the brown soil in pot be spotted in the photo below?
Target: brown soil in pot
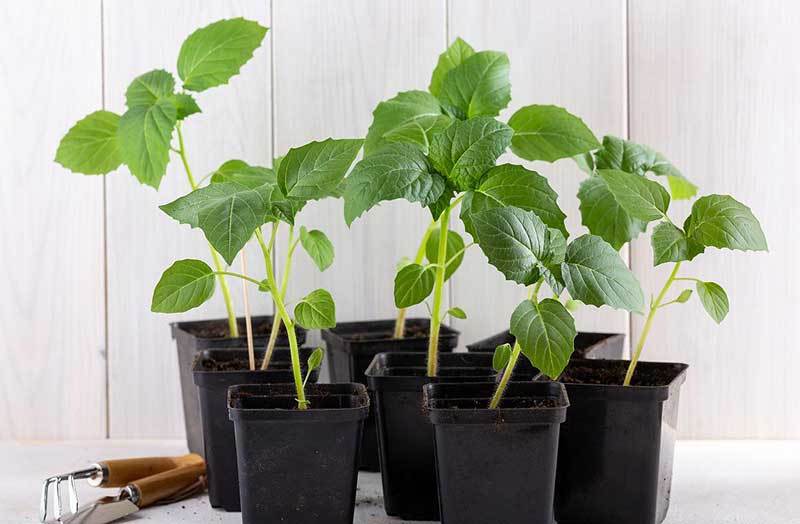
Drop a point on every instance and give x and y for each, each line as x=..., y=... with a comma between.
x=613, y=374
x=220, y=329
x=238, y=364
x=412, y=331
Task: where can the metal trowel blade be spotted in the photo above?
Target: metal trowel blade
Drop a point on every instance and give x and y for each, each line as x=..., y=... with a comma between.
x=106, y=509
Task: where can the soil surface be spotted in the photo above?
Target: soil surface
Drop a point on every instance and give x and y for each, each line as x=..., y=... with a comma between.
x=412, y=331
x=506, y=403
x=614, y=374
x=220, y=330
x=237, y=364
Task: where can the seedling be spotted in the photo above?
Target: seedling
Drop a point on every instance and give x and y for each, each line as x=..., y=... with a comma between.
x=234, y=207
x=439, y=148
x=142, y=137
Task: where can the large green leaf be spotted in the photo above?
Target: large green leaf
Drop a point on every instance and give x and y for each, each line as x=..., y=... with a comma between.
x=455, y=248
x=467, y=149
x=595, y=274
x=412, y=284
x=640, y=197
x=318, y=247
x=183, y=286
x=546, y=332
x=479, y=86
x=395, y=171
x=549, y=133
x=516, y=242
x=316, y=310
x=397, y=115
x=213, y=54
x=513, y=185
x=91, y=146
x=419, y=131
x=144, y=138
x=604, y=216
x=316, y=170
x=149, y=88
x=458, y=51
x=714, y=300
x=723, y=222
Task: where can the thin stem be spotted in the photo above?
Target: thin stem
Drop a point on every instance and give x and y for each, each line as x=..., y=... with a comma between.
x=400, y=322
x=436, y=321
x=276, y=321
x=648, y=324
x=458, y=254
x=501, y=387
x=238, y=275
x=247, y=321
x=687, y=279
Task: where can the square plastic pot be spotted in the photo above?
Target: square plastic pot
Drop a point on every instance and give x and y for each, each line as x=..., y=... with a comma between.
x=191, y=337
x=587, y=344
x=214, y=371
x=298, y=466
x=625, y=476
x=496, y=465
x=351, y=347
x=405, y=435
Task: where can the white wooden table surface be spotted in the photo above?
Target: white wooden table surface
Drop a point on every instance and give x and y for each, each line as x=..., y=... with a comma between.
x=715, y=482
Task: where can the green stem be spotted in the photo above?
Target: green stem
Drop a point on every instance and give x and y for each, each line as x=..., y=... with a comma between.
x=436, y=320
x=400, y=322
x=239, y=275
x=501, y=387
x=648, y=323
x=276, y=321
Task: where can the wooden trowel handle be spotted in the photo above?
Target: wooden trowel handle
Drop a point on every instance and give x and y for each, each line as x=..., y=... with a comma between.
x=121, y=472
x=167, y=484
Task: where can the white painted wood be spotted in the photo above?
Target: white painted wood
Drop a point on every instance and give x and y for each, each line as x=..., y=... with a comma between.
x=143, y=241
x=714, y=89
x=52, y=377
x=333, y=64
x=570, y=54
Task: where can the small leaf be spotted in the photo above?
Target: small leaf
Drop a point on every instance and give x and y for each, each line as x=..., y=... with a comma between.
x=185, y=105
x=549, y=133
x=723, y=222
x=185, y=285
x=546, y=332
x=604, y=216
x=640, y=197
x=479, y=86
x=412, y=284
x=149, y=88
x=242, y=173
x=91, y=146
x=458, y=51
x=318, y=247
x=213, y=54
x=457, y=312
x=455, y=244
x=263, y=286
x=395, y=117
x=419, y=131
x=684, y=297
x=316, y=170
x=714, y=300
x=144, y=137
x=502, y=354
x=551, y=268
x=670, y=244
x=316, y=310
x=585, y=163
x=315, y=359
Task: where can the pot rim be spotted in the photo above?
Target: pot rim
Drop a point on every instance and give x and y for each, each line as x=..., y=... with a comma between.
x=284, y=394
x=343, y=332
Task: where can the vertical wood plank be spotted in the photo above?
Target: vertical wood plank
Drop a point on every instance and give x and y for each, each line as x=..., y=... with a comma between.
x=143, y=241
x=333, y=64
x=52, y=316
x=713, y=88
x=570, y=54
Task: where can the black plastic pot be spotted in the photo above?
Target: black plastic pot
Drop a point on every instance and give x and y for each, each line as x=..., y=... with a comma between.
x=212, y=387
x=351, y=347
x=298, y=467
x=625, y=475
x=587, y=345
x=496, y=465
x=405, y=435
x=191, y=337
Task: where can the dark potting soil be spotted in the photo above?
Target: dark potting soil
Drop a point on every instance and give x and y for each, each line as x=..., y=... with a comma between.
x=614, y=375
x=506, y=403
x=412, y=331
x=260, y=328
x=237, y=364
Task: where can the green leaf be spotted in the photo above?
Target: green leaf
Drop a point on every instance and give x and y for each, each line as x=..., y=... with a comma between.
x=546, y=332
x=412, y=284
x=318, y=247
x=669, y=244
x=502, y=354
x=516, y=242
x=149, y=88
x=640, y=197
x=714, y=300
x=183, y=286
x=595, y=274
x=604, y=217
x=458, y=51
x=573, y=305
x=316, y=310
x=455, y=244
x=91, y=146
x=479, y=86
x=467, y=149
x=315, y=359
x=680, y=188
x=585, y=163
x=443, y=202
x=398, y=113
x=457, y=312
x=213, y=54
x=419, y=131
x=513, y=185
x=144, y=138
x=185, y=105
x=242, y=173
x=549, y=133
x=551, y=268
x=316, y=170
x=723, y=222
x=396, y=171
x=684, y=297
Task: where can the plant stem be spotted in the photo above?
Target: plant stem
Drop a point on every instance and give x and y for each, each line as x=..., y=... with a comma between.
x=233, y=327
x=648, y=324
x=276, y=321
x=239, y=275
x=247, y=321
x=436, y=320
x=501, y=387
x=400, y=323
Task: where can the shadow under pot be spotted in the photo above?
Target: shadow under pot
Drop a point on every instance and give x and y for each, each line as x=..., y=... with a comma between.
x=214, y=371
x=496, y=465
x=298, y=466
x=405, y=435
x=194, y=336
x=351, y=347
x=587, y=344
x=625, y=476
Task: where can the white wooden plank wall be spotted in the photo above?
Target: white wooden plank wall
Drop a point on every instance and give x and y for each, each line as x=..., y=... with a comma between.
x=710, y=85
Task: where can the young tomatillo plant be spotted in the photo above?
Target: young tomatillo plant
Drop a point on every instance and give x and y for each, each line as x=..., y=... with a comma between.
x=439, y=148
x=141, y=138
x=234, y=207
